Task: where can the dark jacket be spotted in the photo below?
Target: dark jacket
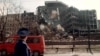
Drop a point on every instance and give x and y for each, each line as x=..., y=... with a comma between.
x=21, y=49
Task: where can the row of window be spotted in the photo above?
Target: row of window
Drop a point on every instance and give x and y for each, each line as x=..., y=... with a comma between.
x=29, y=40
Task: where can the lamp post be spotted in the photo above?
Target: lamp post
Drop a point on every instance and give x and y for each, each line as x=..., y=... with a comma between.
x=89, y=43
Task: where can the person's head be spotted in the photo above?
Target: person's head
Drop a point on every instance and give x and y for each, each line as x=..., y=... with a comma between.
x=23, y=38
x=23, y=33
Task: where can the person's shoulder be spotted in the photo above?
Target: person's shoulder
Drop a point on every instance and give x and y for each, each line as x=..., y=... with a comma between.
x=21, y=43
x=24, y=44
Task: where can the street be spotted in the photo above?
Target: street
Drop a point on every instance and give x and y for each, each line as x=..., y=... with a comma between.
x=74, y=54
x=68, y=52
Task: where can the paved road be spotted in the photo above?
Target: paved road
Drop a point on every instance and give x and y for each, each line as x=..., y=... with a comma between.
x=68, y=52
x=74, y=54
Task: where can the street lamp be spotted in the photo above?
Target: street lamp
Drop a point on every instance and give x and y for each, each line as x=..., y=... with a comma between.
x=89, y=43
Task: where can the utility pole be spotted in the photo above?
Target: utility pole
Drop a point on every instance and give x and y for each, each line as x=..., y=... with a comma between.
x=89, y=43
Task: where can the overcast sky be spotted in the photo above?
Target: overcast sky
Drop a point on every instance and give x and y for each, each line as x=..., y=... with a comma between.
x=31, y=5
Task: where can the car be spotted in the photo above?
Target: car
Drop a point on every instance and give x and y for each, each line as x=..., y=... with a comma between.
x=36, y=44
x=1, y=48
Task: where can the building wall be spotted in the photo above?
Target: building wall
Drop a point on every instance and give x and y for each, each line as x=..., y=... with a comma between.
x=9, y=24
x=98, y=24
x=73, y=20
x=70, y=22
x=52, y=12
x=16, y=21
x=89, y=18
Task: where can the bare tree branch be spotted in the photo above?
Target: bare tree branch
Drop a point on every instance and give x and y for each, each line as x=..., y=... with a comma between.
x=8, y=7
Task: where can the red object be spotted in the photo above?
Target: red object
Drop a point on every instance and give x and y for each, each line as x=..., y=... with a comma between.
x=36, y=44
x=1, y=46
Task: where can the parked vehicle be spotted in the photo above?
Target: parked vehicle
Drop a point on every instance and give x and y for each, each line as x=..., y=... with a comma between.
x=1, y=48
x=36, y=44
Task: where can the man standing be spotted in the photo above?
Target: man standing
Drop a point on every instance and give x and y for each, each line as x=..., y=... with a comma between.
x=21, y=47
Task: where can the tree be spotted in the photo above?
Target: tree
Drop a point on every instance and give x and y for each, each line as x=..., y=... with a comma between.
x=7, y=7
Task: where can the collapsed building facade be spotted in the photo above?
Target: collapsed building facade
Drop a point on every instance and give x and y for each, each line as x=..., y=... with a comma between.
x=55, y=17
x=74, y=21
x=52, y=11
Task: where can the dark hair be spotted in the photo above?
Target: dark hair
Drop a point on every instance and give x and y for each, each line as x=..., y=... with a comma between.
x=23, y=32
x=22, y=37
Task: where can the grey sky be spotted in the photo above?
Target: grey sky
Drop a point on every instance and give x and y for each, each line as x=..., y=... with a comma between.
x=31, y=5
